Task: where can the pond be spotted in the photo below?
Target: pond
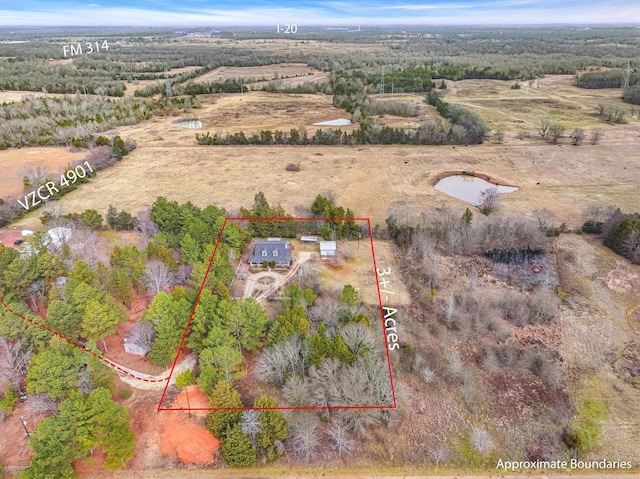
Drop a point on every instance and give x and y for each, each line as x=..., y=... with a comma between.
x=338, y=122
x=191, y=123
x=468, y=188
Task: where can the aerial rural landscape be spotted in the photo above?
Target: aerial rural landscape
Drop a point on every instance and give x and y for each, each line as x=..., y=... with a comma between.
x=323, y=247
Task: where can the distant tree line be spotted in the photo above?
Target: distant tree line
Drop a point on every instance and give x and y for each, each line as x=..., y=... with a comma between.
x=605, y=79
x=632, y=95
x=227, y=86
x=74, y=120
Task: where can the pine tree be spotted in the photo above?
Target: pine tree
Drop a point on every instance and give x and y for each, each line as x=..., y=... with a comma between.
x=237, y=448
x=112, y=217
x=349, y=296
x=273, y=426
x=223, y=396
x=467, y=216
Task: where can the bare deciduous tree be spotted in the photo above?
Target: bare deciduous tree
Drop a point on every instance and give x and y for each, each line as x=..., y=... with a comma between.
x=143, y=335
x=489, y=200
x=543, y=127
x=157, y=277
x=35, y=173
x=340, y=442
x=304, y=440
x=631, y=246
x=596, y=135
x=577, y=136
x=250, y=423
x=438, y=454
x=555, y=132
x=38, y=403
x=481, y=441
x=16, y=362
x=145, y=225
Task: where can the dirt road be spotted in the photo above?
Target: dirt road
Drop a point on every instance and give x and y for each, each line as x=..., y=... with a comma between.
x=159, y=380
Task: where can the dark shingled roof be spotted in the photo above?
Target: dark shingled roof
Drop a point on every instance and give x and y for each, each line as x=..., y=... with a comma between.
x=282, y=252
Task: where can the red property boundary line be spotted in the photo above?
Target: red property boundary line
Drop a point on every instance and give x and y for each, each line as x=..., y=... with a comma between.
x=71, y=341
x=184, y=335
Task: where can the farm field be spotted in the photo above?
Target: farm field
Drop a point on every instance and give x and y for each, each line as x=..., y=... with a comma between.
x=266, y=72
x=14, y=161
x=372, y=181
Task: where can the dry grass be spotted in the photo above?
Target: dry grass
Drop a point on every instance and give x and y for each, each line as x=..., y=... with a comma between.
x=371, y=180
x=14, y=160
x=14, y=96
x=555, y=97
x=266, y=72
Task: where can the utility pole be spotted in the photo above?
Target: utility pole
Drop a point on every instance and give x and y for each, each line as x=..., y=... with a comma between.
x=167, y=85
x=628, y=71
x=24, y=425
x=188, y=404
x=382, y=82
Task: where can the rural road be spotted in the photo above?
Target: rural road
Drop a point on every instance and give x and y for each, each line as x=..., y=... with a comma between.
x=159, y=380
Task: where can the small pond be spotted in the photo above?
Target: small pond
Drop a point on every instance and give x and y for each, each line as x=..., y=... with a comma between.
x=191, y=123
x=468, y=188
x=338, y=122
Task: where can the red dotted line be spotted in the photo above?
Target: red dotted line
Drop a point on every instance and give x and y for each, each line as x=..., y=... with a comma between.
x=70, y=341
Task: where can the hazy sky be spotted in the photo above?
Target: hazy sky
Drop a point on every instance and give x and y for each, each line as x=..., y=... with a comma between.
x=314, y=12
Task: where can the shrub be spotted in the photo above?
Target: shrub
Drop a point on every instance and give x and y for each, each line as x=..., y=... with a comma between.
x=293, y=167
x=592, y=227
x=8, y=402
x=184, y=379
x=515, y=86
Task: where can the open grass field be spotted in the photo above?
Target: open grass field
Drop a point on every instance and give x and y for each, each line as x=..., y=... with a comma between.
x=15, y=160
x=264, y=72
x=371, y=180
x=554, y=97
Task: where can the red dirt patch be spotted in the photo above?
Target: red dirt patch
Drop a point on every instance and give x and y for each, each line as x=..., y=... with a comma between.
x=14, y=447
x=192, y=397
x=89, y=466
x=7, y=237
x=192, y=444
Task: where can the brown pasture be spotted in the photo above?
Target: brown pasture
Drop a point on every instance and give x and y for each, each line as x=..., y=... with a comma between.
x=14, y=160
x=371, y=180
x=554, y=97
x=266, y=72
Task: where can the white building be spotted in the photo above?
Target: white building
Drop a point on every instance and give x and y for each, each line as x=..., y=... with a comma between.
x=328, y=248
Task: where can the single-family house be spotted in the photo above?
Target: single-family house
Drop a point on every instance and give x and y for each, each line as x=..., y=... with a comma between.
x=273, y=251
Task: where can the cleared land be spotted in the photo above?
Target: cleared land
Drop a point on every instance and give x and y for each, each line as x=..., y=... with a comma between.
x=372, y=181
x=264, y=72
x=554, y=97
x=15, y=160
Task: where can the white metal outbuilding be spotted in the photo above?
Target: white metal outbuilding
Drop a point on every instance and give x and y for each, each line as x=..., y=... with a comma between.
x=328, y=248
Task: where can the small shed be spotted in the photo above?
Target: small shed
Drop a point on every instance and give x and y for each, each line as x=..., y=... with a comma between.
x=309, y=239
x=131, y=346
x=328, y=248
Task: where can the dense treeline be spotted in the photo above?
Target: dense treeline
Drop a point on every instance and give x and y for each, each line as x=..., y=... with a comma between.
x=227, y=86
x=605, y=79
x=466, y=128
x=632, y=94
x=453, y=53
x=74, y=120
x=61, y=378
